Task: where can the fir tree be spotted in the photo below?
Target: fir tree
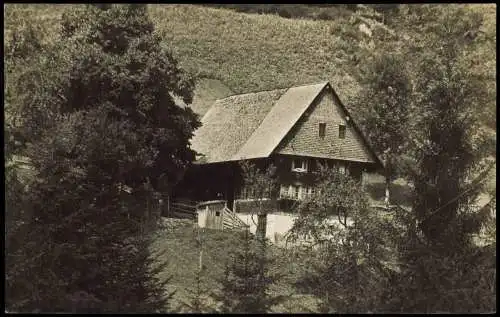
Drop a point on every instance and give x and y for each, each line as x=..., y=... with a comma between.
x=246, y=281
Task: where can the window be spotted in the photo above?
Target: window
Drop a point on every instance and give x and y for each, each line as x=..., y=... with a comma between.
x=341, y=168
x=299, y=165
x=217, y=213
x=309, y=191
x=266, y=193
x=293, y=192
x=283, y=191
x=244, y=193
x=321, y=163
x=341, y=131
x=322, y=129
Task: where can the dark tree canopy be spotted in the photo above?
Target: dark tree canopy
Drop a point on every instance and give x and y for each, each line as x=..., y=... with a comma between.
x=99, y=116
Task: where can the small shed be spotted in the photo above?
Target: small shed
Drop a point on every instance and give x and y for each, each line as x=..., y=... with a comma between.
x=215, y=215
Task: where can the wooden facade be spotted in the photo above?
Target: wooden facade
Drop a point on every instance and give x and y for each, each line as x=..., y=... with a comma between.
x=224, y=181
x=296, y=129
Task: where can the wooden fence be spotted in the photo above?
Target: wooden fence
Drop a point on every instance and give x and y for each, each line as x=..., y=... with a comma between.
x=214, y=215
x=231, y=221
x=181, y=209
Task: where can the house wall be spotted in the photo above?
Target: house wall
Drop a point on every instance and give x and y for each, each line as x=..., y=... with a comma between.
x=248, y=206
x=208, y=182
x=304, y=139
x=286, y=177
x=279, y=225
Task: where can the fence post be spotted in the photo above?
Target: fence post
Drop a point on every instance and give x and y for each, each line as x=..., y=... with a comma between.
x=168, y=205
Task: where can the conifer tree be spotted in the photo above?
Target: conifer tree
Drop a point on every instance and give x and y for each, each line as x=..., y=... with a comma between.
x=246, y=281
x=450, y=149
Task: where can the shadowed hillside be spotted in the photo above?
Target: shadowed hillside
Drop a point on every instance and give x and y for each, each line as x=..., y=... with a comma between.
x=207, y=91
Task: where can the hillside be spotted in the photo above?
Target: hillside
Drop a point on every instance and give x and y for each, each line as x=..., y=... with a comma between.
x=256, y=52
x=251, y=52
x=207, y=91
x=246, y=52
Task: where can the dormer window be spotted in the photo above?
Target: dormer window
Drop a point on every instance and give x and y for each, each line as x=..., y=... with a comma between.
x=322, y=129
x=341, y=131
x=299, y=165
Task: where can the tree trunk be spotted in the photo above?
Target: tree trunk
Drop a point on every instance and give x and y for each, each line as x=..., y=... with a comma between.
x=387, y=189
x=261, y=226
x=260, y=231
x=387, y=172
x=261, y=238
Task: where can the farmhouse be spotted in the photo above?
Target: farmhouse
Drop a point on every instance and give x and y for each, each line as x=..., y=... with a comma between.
x=295, y=129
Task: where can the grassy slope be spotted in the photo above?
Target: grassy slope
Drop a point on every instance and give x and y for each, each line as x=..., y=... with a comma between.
x=250, y=52
x=246, y=52
x=207, y=91
x=255, y=52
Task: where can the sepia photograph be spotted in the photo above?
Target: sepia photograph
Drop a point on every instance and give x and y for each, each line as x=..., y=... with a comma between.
x=250, y=158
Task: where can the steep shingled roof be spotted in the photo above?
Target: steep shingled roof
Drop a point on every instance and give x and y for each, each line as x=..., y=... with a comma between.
x=282, y=117
x=230, y=122
x=252, y=125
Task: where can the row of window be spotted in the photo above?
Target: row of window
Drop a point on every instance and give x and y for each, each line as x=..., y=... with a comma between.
x=296, y=191
x=301, y=165
x=286, y=191
x=250, y=193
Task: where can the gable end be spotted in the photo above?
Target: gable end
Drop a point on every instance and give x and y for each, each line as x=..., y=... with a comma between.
x=326, y=112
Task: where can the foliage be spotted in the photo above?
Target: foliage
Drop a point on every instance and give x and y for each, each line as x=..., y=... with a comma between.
x=98, y=114
x=246, y=281
x=197, y=302
x=180, y=248
x=430, y=281
x=262, y=185
x=450, y=151
x=384, y=105
x=293, y=11
x=350, y=244
x=449, y=146
x=197, y=296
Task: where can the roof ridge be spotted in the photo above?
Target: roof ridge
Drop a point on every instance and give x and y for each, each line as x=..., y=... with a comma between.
x=275, y=89
x=249, y=93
